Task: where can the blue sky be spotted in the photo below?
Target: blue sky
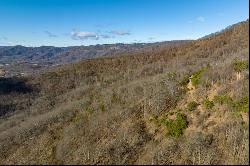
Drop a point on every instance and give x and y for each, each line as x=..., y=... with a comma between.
x=88, y=22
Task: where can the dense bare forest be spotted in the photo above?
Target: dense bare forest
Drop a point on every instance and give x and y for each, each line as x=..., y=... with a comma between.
x=181, y=104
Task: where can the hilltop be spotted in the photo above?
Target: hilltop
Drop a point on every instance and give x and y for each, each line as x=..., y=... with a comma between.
x=177, y=104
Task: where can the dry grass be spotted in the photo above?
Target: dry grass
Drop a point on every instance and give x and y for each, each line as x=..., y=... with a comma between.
x=98, y=111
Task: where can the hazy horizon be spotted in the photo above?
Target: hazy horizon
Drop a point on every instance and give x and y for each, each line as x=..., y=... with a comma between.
x=81, y=23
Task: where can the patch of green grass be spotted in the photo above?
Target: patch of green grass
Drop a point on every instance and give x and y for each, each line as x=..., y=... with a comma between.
x=239, y=66
x=208, y=104
x=192, y=106
x=175, y=127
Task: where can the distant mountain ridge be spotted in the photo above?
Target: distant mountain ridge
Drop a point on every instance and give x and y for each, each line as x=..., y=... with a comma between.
x=51, y=53
x=20, y=59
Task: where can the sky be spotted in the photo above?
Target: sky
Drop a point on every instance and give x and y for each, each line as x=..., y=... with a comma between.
x=88, y=22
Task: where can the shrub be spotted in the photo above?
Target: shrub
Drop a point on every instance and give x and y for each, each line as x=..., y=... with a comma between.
x=207, y=84
x=185, y=80
x=196, y=76
x=241, y=105
x=192, y=106
x=171, y=75
x=208, y=104
x=222, y=99
x=237, y=106
x=90, y=109
x=238, y=66
x=102, y=107
x=115, y=97
x=76, y=117
x=175, y=127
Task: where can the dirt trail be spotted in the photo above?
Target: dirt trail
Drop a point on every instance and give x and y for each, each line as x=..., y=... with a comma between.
x=191, y=90
x=199, y=115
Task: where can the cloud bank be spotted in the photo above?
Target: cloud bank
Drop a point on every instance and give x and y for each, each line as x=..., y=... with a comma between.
x=84, y=35
x=78, y=35
x=120, y=33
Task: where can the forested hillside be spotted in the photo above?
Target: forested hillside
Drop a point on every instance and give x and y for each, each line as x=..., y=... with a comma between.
x=179, y=104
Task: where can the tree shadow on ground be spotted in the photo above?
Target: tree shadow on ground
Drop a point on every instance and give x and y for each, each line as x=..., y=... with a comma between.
x=14, y=93
x=18, y=85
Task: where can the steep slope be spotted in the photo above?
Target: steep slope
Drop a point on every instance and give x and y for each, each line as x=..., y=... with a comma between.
x=184, y=104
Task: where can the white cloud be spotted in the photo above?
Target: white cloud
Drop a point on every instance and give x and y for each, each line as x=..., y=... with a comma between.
x=201, y=19
x=78, y=35
x=120, y=33
x=83, y=35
